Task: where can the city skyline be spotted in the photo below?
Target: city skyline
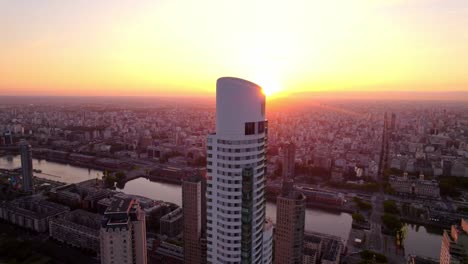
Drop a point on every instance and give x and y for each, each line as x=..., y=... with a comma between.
x=178, y=49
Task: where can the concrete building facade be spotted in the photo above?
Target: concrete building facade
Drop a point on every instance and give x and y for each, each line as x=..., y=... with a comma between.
x=411, y=186
x=290, y=220
x=31, y=212
x=172, y=223
x=26, y=166
x=454, y=248
x=78, y=228
x=192, y=193
x=289, y=159
x=123, y=233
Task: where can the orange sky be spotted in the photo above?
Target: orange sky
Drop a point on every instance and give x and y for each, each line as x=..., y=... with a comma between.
x=171, y=47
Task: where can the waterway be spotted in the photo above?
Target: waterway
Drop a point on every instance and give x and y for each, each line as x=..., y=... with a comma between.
x=337, y=224
x=419, y=239
x=423, y=241
x=53, y=170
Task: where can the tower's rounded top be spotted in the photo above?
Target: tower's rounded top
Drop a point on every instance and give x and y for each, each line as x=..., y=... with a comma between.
x=238, y=101
x=238, y=81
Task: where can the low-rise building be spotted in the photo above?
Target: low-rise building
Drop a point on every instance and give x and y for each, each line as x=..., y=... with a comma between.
x=312, y=247
x=172, y=223
x=332, y=252
x=31, y=212
x=84, y=194
x=337, y=175
x=165, y=252
x=78, y=228
x=322, y=196
x=411, y=186
x=321, y=248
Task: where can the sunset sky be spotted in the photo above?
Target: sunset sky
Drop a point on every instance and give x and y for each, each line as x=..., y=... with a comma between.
x=174, y=47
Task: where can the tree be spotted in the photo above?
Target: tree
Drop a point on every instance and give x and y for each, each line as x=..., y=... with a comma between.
x=447, y=188
x=381, y=258
x=359, y=218
x=120, y=176
x=368, y=256
x=390, y=207
x=392, y=222
x=109, y=180
x=388, y=189
x=361, y=204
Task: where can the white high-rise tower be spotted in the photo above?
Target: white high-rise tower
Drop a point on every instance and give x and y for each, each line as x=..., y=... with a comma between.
x=237, y=229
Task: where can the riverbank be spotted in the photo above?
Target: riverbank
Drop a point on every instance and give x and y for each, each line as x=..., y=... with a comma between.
x=68, y=161
x=56, y=171
x=316, y=205
x=64, y=161
x=425, y=223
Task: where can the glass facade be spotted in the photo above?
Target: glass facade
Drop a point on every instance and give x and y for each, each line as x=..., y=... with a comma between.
x=247, y=214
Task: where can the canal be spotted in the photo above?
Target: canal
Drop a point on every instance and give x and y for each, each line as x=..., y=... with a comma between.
x=419, y=239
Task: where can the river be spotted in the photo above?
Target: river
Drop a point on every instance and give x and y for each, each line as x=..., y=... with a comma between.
x=53, y=170
x=337, y=224
x=419, y=240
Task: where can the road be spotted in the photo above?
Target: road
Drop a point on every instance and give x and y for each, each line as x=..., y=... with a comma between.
x=375, y=237
x=377, y=241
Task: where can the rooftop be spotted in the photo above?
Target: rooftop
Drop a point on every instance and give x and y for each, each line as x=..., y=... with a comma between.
x=82, y=219
x=119, y=205
x=34, y=207
x=332, y=251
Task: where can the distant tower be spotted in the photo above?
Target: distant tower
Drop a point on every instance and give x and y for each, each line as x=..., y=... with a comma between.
x=123, y=233
x=8, y=138
x=289, y=157
x=237, y=230
x=290, y=219
x=393, y=122
x=177, y=136
x=26, y=165
x=192, y=204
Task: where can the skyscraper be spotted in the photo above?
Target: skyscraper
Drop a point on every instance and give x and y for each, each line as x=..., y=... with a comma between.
x=393, y=122
x=123, y=233
x=290, y=218
x=236, y=226
x=192, y=200
x=26, y=165
x=289, y=157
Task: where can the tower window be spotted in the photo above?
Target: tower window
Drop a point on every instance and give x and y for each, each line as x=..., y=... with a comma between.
x=250, y=128
x=261, y=127
x=262, y=108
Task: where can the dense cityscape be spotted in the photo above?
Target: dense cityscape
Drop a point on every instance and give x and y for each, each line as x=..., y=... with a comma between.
x=388, y=166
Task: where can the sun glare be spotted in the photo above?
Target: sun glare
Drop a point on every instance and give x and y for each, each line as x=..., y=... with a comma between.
x=270, y=88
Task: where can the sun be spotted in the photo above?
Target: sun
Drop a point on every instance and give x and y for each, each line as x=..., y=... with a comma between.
x=270, y=88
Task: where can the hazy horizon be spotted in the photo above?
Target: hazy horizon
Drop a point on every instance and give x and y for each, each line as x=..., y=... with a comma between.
x=285, y=103
x=319, y=95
